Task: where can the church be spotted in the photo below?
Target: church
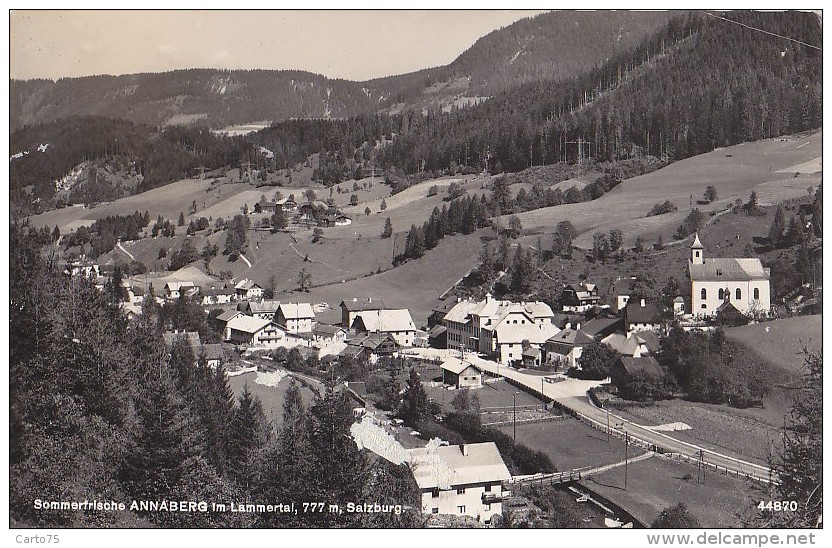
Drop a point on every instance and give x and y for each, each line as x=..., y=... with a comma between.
x=744, y=283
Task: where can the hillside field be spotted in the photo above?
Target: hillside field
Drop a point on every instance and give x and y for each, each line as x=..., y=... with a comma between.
x=735, y=171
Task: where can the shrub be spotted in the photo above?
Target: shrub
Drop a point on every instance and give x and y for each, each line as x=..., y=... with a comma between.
x=661, y=209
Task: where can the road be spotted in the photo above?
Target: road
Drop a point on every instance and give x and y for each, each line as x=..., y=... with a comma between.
x=572, y=394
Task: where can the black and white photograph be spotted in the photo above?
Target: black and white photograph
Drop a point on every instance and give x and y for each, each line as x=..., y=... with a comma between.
x=386, y=269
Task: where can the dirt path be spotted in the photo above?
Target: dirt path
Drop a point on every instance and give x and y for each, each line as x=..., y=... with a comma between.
x=132, y=258
x=243, y=257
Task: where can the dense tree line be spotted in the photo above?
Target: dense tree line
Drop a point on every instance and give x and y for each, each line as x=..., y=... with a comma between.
x=100, y=411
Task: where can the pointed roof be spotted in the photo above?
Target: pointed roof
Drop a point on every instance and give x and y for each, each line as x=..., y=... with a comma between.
x=697, y=244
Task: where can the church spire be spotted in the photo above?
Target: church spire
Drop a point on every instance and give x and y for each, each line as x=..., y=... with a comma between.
x=697, y=251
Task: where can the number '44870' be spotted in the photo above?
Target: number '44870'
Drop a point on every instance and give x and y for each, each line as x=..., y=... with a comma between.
x=778, y=505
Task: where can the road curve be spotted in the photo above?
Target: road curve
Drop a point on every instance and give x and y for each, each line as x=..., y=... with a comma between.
x=572, y=396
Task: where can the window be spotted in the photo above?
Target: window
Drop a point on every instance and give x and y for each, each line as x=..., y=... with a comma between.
x=718, y=272
x=460, y=491
x=704, y=305
x=739, y=293
x=721, y=294
x=756, y=293
x=704, y=294
x=461, y=509
x=435, y=493
x=487, y=487
x=697, y=254
x=434, y=510
x=486, y=507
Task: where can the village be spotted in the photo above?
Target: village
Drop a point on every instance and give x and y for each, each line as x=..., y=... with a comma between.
x=471, y=345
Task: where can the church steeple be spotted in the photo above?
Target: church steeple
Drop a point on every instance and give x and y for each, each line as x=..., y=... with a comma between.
x=697, y=251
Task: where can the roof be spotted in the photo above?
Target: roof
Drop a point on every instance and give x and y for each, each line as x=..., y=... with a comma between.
x=247, y=324
x=623, y=344
x=697, y=244
x=228, y=315
x=582, y=287
x=192, y=336
x=213, y=292
x=386, y=320
x=622, y=286
x=212, y=351
x=728, y=311
x=176, y=286
x=246, y=285
x=595, y=326
x=351, y=351
x=496, y=310
x=457, y=366
x=363, y=304
x=324, y=329
x=649, y=313
x=265, y=306
x=437, y=331
x=296, y=311
x=534, y=333
x=359, y=388
x=733, y=270
x=571, y=337
x=651, y=339
x=647, y=365
x=447, y=466
x=679, y=300
x=531, y=352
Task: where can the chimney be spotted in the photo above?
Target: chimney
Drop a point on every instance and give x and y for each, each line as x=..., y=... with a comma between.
x=464, y=449
x=355, y=299
x=568, y=325
x=643, y=304
x=577, y=326
x=369, y=299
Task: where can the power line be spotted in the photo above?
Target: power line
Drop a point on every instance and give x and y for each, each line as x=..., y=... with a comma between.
x=764, y=31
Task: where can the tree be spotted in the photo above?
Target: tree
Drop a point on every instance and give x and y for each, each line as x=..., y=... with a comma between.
x=521, y=271
x=710, y=193
x=383, y=205
x=181, y=219
x=616, y=239
x=752, y=207
x=414, y=408
x=236, y=239
x=676, y=517
x=317, y=234
x=388, y=228
x=660, y=243
x=600, y=246
x=515, y=227
x=799, y=465
x=278, y=219
x=433, y=190
x=415, y=243
x=56, y=234
x=777, y=230
x=367, y=211
x=692, y=223
x=639, y=246
x=304, y=280
x=354, y=200
x=310, y=195
x=595, y=361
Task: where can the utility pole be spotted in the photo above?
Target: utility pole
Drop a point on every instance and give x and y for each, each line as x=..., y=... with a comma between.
x=515, y=416
x=626, y=456
x=701, y=467
x=608, y=425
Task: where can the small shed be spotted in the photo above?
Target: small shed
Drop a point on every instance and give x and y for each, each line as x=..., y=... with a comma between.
x=461, y=374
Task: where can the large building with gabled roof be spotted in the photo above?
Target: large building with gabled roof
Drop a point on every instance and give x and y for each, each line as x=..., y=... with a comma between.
x=742, y=282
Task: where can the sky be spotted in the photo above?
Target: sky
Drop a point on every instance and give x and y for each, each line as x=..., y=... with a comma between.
x=350, y=44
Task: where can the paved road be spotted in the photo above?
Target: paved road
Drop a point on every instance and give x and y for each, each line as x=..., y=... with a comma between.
x=571, y=394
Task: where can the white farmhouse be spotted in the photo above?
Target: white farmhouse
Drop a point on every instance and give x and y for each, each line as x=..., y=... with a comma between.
x=460, y=480
x=295, y=317
x=742, y=282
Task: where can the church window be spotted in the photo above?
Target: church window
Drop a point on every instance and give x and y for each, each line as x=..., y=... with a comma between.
x=756, y=293
x=739, y=293
x=704, y=294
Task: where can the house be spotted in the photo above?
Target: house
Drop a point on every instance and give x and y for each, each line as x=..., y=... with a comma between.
x=631, y=345
x=438, y=312
x=173, y=290
x=598, y=328
x=370, y=347
x=461, y=374
x=626, y=366
x=350, y=308
x=248, y=290
x=394, y=322
x=476, y=325
x=357, y=393
x=267, y=206
x=212, y=354
x=295, y=317
x=567, y=346
x=250, y=331
x=512, y=340
x=222, y=320
x=264, y=309
x=643, y=316
x=460, y=480
x=743, y=282
x=192, y=337
x=438, y=337
x=289, y=205
x=217, y=296
x=132, y=311
x=579, y=297
x=329, y=334
x=135, y=294
x=619, y=292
